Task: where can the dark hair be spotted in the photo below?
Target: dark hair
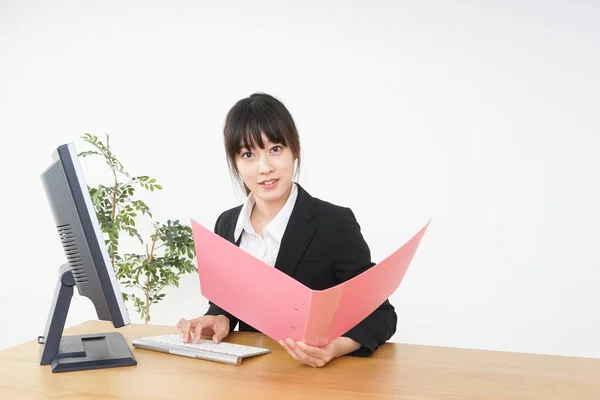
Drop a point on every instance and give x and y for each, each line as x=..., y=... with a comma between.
x=252, y=116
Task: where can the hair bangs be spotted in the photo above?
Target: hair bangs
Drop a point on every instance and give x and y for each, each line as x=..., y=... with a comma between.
x=253, y=122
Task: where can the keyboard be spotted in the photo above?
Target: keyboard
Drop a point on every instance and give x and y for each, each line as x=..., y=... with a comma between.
x=224, y=352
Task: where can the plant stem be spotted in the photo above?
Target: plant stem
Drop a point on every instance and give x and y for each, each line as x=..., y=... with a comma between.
x=149, y=258
x=113, y=216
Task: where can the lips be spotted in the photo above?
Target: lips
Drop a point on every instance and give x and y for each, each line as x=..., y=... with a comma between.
x=269, y=183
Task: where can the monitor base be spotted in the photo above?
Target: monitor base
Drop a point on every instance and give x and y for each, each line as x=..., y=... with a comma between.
x=78, y=352
x=93, y=351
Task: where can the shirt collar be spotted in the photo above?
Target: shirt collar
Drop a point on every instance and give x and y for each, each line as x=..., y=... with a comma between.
x=276, y=227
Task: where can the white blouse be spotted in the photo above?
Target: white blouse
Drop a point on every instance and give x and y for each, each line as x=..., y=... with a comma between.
x=264, y=247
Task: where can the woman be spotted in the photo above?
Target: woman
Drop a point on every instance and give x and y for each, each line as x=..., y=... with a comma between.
x=313, y=241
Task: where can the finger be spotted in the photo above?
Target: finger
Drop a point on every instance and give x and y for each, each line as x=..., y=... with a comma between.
x=290, y=351
x=285, y=345
x=220, y=333
x=304, y=357
x=185, y=329
x=181, y=324
x=290, y=345
x=198, y=331
x=311, y=350
x=319, y=356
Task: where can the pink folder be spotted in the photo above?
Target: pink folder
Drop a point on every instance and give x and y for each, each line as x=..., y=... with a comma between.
x=279, y=306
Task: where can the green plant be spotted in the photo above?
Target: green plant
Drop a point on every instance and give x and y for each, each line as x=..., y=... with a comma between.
x=168, y=252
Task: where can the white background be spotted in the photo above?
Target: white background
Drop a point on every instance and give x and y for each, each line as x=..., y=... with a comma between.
x=481, y=116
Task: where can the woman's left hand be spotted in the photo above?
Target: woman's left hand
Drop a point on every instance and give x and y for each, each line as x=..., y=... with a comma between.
x=318, y=356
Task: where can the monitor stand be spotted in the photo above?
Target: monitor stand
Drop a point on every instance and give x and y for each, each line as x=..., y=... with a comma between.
x=78, y=352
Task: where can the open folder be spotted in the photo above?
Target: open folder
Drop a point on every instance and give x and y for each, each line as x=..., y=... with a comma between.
x=279, y=306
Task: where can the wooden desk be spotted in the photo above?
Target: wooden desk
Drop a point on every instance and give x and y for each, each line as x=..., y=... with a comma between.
x=396, y=371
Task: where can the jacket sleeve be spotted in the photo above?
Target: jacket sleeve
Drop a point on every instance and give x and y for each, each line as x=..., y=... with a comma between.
x=214, y=309
x=351, y=257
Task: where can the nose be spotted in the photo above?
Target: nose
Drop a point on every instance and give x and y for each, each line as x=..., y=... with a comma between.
x=264, y=165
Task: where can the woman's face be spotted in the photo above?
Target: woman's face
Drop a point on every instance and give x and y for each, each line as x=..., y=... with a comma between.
x=268, y=172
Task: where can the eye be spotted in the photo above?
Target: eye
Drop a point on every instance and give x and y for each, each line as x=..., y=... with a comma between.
x=246, y=154
x=276, y=149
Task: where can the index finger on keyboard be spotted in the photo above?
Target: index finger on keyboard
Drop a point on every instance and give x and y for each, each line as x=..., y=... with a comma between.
x=198, y=330
x=185, y=330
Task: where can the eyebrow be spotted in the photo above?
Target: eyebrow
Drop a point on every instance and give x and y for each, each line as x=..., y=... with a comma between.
x=266, y=142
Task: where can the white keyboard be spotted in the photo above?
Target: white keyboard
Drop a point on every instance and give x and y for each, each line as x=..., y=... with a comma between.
x=229, y=353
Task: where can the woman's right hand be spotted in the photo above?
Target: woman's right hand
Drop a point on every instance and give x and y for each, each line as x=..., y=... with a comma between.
x=216, y=326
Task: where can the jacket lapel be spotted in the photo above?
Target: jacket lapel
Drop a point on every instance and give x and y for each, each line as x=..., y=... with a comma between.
x=229, y=228
x=298, y=234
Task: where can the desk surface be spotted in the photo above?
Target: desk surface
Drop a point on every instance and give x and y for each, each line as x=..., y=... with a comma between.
x=395, y=371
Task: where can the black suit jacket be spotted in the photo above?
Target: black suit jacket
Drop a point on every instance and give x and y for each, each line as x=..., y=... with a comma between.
x=322, y=246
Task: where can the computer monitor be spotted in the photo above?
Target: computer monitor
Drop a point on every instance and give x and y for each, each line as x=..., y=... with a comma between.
x=88, y=268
